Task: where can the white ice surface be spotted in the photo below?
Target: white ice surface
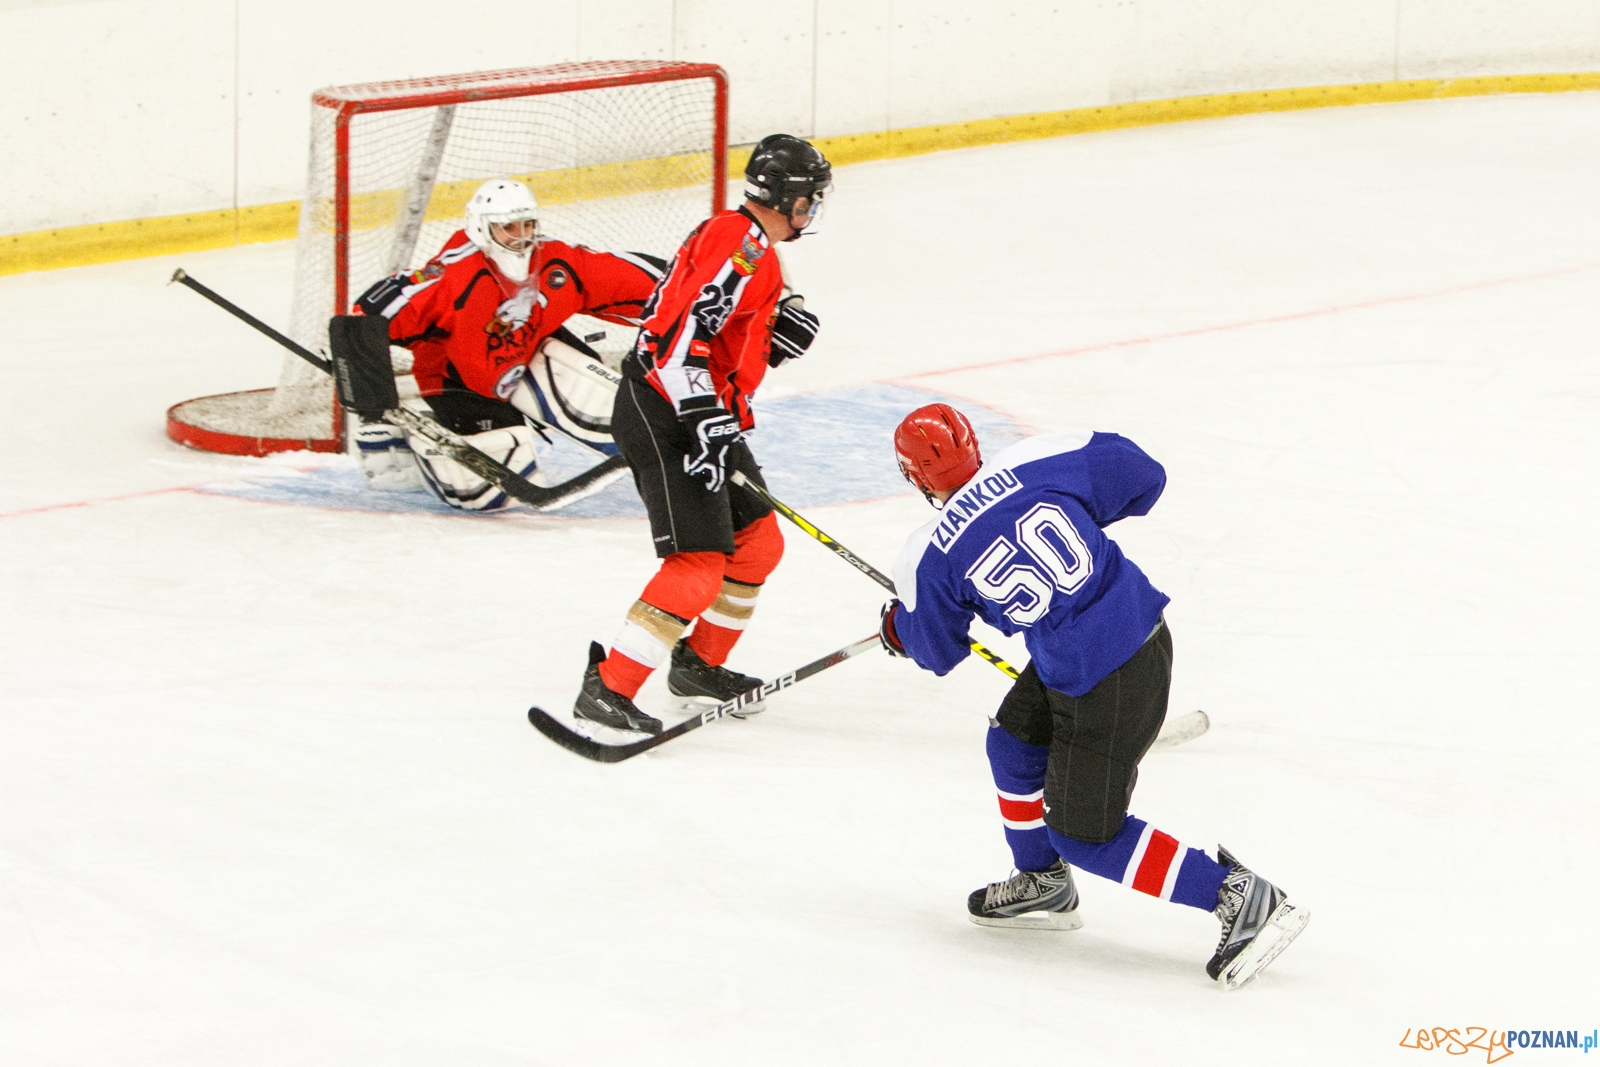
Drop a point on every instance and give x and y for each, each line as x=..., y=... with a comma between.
x=268, y=794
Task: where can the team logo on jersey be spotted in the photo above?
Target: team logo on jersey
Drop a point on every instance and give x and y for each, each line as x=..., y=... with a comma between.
x=971, y=502
x=556, y=279
x=512, y=315
x=508, y=381
x=430, y=270
x=748, y=256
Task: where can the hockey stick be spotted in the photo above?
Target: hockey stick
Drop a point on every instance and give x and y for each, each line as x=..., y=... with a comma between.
x=738, y=478
x=1185, y=727
x=451, y=444
x=589, y=748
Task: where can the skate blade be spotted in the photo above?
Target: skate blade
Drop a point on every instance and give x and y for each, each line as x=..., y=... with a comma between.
x=1283, y=927
x=606, y=735
x=1033, y=920
x=696, y=705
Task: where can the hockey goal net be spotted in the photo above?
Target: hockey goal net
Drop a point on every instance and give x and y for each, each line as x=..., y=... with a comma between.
x=625, y=155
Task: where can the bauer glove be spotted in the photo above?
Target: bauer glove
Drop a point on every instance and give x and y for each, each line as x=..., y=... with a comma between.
x=713, y=431
x=886, y=634
x=792, y=332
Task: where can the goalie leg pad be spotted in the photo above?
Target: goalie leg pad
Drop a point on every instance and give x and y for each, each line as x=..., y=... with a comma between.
x=460, y=488
x=386, y=458
x=572, y=390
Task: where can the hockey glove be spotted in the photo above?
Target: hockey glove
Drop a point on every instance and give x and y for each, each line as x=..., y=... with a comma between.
x=793, y=331
x=713, y=431
x=890, y=639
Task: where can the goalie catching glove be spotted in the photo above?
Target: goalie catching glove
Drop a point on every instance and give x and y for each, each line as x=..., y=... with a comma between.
x=792, y=332
x=712, y=431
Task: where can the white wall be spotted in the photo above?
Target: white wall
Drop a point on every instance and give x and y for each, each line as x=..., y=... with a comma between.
x=118, y=109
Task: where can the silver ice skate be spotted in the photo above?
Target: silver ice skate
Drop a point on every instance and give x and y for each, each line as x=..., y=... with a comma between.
x=1258, y=922
x=1029, y=900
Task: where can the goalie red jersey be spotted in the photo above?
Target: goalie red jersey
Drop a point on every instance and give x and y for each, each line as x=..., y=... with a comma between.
x=708, y=328
x=469, y=327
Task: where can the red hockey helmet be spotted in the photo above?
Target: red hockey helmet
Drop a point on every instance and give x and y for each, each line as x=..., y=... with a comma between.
x=937, y=448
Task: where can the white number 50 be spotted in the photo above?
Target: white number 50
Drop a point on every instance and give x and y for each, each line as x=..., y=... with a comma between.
x=1066, y=562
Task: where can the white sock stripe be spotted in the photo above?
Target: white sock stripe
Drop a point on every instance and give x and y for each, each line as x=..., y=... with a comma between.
x=716, y=618
x=1023, y=797
x=1172, y=871
x=1137, y=858
x=1031, y=825
x=639, y=644
x=743, y=601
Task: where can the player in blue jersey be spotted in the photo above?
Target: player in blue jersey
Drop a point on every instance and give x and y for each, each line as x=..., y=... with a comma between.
x=1019, y=542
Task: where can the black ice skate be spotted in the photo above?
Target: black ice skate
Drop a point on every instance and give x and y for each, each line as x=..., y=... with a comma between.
x=1258, y=922
x=691, y=677
x=1037, y=900
x=597, y=703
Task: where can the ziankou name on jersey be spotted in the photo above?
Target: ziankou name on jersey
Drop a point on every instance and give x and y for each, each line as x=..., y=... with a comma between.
x=971, y=502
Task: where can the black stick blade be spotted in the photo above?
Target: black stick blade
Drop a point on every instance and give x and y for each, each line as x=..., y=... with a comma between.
x=588, y=747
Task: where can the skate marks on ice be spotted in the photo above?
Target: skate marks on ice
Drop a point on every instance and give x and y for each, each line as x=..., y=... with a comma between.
x=830, y=447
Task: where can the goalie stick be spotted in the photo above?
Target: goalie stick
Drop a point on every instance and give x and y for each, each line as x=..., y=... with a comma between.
x=1184, y=728
x=600, y=752
x=451, y=444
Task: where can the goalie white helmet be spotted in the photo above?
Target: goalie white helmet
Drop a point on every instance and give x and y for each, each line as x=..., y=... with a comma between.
x=503, y=221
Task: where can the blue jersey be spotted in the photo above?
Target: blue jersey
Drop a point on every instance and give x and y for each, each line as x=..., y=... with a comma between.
x=1021, y=547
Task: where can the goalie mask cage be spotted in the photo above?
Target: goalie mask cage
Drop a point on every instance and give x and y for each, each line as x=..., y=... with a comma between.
x=623, y=155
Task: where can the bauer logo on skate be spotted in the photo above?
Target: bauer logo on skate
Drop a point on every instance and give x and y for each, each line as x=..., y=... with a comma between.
x=977, y=498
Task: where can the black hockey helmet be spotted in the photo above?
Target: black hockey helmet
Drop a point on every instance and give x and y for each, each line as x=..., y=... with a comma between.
x=783, y=169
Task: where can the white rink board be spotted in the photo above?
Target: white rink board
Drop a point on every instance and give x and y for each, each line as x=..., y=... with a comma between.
x=271, y=797
x=205, y=106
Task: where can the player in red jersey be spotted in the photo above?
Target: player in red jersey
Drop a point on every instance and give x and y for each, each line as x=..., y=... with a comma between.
x=711, y=330
x=473, y=318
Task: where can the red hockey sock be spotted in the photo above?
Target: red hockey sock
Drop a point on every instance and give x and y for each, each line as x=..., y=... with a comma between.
x=685, y=586
x=623, y=674
x=711, y=642
x=757, y=549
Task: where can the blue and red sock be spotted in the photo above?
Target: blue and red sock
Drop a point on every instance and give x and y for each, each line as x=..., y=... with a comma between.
x=1140, y=856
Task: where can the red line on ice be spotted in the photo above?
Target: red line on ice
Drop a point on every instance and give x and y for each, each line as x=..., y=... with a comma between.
x=96, y=500
x=1293, y=316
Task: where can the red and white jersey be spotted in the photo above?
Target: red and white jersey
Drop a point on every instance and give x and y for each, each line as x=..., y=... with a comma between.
x=469, y=327
x=708, y=327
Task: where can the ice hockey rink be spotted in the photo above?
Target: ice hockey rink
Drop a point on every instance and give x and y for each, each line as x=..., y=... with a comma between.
x=270, y=794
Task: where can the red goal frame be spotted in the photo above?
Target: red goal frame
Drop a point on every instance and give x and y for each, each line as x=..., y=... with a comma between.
x=348, y=101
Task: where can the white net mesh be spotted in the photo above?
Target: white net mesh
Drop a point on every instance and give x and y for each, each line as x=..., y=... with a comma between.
x=626, y=168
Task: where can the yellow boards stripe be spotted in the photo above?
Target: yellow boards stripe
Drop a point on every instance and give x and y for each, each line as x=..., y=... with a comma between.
x=193, y=231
